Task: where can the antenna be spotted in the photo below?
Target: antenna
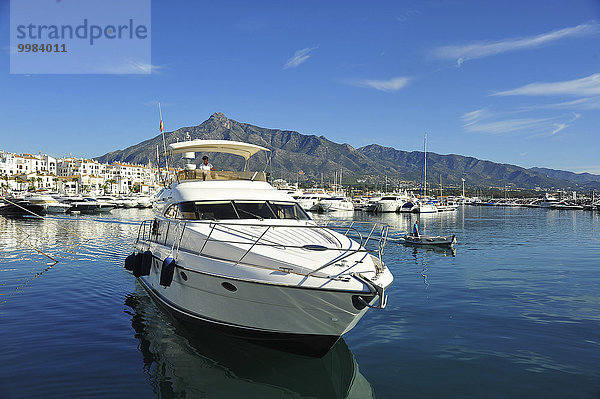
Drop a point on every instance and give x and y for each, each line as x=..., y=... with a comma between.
x=190, y=156
x=162, y=130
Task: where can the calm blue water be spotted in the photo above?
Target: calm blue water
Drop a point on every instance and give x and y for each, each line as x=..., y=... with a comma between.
x=515, y=312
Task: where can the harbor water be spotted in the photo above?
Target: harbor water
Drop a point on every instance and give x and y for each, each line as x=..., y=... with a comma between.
x=513, y=312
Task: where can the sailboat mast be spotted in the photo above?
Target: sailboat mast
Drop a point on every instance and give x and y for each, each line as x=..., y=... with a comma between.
x=425, y=167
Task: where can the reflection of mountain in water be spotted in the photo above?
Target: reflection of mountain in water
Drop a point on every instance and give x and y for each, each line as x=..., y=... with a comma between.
x=184, y=362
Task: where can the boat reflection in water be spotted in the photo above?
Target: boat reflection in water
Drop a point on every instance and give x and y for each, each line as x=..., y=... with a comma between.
x=188, y=361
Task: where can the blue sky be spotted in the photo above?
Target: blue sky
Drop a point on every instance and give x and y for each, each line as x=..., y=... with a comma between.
x=513, y=82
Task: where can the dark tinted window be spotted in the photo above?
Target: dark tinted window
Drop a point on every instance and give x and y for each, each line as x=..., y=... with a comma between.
x=187, y=211
x=208, y=210
x=250, y=210
x=223, y=210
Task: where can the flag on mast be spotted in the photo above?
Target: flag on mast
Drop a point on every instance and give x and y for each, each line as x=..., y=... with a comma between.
x=162, y=127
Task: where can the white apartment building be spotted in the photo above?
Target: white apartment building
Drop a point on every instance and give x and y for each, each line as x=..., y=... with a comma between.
x=75, y=166
x=85, y=175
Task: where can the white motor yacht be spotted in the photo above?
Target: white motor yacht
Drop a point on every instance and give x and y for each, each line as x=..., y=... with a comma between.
x=81, y=205
x=309, y=201
x=127, y=202
x=371, y=204
x=49, y=203
x=229, y=251
x=389, y=203
x=447, y=206
x=424, y=207
x=101, y=206
x=548, y=201
x=335, y=203
x=144, y=201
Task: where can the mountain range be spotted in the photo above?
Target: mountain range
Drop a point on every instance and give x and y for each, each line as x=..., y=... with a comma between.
x=316, y=156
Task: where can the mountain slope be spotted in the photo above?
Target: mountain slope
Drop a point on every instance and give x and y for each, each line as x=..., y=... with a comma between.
x=292, y=152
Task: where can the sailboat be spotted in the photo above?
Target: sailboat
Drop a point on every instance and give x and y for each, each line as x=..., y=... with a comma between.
x=445, y=205
x=423, y=206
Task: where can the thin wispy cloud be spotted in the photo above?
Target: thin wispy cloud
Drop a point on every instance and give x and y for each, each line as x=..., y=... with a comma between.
x=588, y=86
x=484, y=121
x=300, y=57
x=406, y=15
x=507, y=126
x=470, y=118
x=559, y=127
x=462, y=53
x=588, y=103
x=130, y=67
x=389, y=85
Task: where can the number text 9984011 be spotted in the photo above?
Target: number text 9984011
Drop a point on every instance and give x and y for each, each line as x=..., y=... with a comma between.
x=41, y=48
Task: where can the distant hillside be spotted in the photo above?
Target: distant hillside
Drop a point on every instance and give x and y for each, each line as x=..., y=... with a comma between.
x=583, y=179
x=453, y=168
x=292, y=151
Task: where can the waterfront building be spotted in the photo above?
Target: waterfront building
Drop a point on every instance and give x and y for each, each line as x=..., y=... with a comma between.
x=71, y=175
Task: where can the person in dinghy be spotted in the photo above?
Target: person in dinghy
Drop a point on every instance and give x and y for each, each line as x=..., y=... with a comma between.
x=416, y=233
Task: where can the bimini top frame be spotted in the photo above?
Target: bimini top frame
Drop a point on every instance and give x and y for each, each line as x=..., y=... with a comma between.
x=230, y=147
x=245, y=150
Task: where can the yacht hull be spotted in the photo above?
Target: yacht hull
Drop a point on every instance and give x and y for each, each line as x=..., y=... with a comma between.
x=306, y=321
x=312, y=345
x=385, y=207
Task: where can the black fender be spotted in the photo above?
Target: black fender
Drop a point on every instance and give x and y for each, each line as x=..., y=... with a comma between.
x=167, y=271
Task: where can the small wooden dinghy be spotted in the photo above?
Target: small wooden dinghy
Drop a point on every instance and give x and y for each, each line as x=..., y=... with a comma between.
x=443, y=241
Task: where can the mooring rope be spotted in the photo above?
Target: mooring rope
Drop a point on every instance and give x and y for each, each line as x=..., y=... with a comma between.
x=33, y=247
x=38, y=274
x=28, y=244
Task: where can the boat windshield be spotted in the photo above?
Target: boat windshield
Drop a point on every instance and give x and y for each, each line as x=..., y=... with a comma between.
x=227, y=210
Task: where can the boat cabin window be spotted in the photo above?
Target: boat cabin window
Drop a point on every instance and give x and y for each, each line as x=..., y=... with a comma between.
x=254, y=209
x=287, y=210
x=210, y=210
x=226, y=210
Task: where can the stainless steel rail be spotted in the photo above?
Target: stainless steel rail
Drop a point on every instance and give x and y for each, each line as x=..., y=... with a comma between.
x=371, y=238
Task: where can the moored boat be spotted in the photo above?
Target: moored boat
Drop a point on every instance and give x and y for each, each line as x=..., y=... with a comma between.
x=389, y=203
x=80, y=205
x=335, y=203
x=424, y=207
x=229, y=251
x=442, y=241
x=48, y=203
x=309, y=201
x=19, y=207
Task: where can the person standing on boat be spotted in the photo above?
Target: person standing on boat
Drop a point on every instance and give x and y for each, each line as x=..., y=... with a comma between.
x=206, y=167
x=416, y=232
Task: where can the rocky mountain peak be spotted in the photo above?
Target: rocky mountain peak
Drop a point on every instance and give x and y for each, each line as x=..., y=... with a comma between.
x=218, y=116
x=219, y=119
